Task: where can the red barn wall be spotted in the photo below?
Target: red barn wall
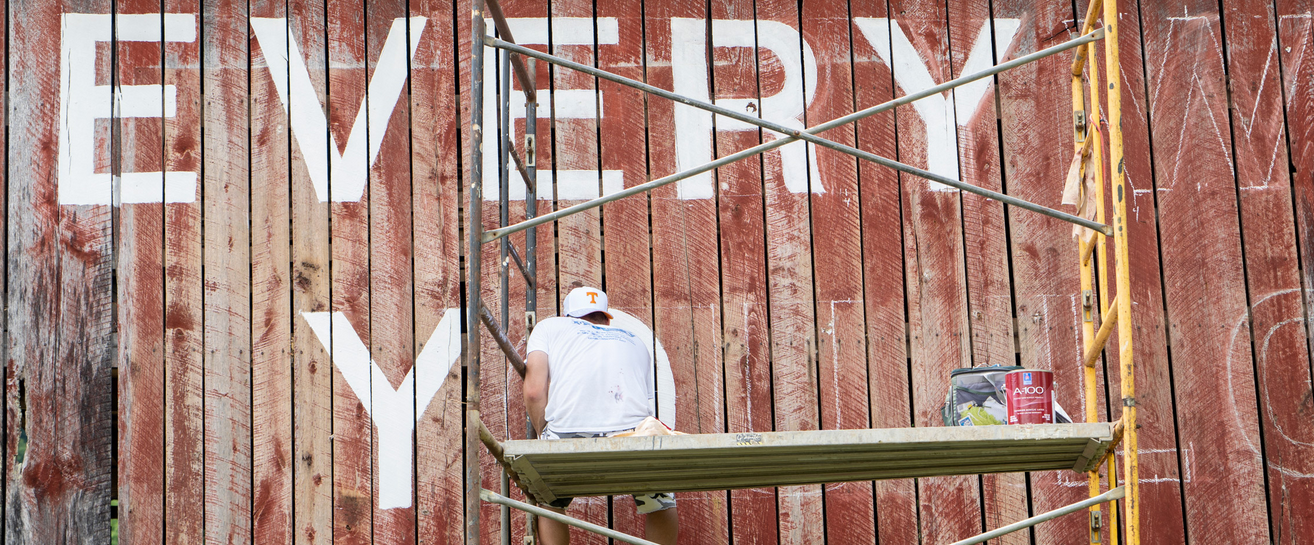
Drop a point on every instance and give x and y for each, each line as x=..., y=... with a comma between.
x=225, y=221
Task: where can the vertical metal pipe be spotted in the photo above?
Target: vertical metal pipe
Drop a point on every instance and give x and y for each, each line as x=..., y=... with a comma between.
x=531, y=235
x=503, y=190
x=474, y=257
x=1131, y=472
x=531, y=197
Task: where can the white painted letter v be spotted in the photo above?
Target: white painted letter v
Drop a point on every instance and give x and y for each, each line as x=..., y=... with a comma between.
x=350, y=168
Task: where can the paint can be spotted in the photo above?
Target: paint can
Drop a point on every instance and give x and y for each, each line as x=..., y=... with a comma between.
x=1030, y=396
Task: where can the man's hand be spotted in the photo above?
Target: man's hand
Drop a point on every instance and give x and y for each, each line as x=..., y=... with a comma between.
x=535, y=388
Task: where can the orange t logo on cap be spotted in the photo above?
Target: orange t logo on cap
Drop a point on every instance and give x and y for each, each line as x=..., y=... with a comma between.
x=593, y=297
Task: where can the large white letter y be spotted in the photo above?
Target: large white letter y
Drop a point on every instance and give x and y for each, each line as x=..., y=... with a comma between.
x=938, y=111
x=394, y=412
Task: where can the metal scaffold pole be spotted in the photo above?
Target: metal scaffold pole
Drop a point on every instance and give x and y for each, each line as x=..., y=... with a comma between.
x=1131, y=474
x=473, y=259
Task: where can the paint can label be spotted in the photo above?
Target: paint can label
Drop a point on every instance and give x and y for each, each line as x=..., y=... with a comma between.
x=1030, y=396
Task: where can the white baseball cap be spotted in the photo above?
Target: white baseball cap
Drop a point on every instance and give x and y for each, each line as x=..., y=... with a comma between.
x=584, y=301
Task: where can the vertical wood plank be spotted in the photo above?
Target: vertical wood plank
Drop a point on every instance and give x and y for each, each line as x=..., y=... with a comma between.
x=882, y=250
x=933, y=259
x=61, y=300
x=1295, y=32
x=227, y=262
x=1161, y=498
x=186, y=387
x=575, y=164
x=1271, y=264
x=1215, y=400
x=435, y=152
x=789, y=271
x=742, y=222
x=142, y=361
x=391, y=327
x=272, y=356
x=349, y=246
x=627, y=270
x=975, y=40
x=837, y=257
x=1037, y=143
x=686, y=287
x=312, y=390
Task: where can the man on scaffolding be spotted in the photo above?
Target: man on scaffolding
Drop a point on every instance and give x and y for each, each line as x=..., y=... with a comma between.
x=583, y=379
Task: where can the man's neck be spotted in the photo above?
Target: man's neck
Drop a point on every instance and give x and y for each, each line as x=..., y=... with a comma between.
x=596, y=318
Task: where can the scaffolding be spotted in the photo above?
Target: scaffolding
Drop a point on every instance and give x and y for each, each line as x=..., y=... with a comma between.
x=546, y=470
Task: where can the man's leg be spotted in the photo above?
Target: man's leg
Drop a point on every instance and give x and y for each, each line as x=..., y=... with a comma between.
x=662, y=526
x=551, y=532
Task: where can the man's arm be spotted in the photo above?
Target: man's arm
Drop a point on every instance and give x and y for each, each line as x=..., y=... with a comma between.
x=536, y=388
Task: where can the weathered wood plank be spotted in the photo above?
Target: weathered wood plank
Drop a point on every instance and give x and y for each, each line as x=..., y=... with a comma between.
x=933, y=251
x=312, y=390
x=272, y=356
x=837, y=258
x=142, y=368
x=228, y=318
x=686, y=287
x=188, y=461
x=627, y=271
x=742, y=224
x=1271, y=265
x=1295, y=32
x=435, y=152
x=349, y=246
x=1212, y=364
x=60, y=296
x=1161, y=498
x=391, y=326
x=789, y=267
x=1037, y=142
x=976, y=40
x=576, y=166
x=883, y=293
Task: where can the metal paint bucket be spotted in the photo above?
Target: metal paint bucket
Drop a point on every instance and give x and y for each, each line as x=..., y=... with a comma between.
x=1030, y=396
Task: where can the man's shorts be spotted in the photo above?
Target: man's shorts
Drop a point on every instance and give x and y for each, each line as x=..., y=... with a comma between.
x=643, y=503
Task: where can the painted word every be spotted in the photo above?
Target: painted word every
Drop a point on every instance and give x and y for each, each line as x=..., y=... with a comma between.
x=339, y=172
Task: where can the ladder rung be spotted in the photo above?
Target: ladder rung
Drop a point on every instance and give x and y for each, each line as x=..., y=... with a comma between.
x=502, y=342
x=504, y=29
x=530, y=185
x=520, y=264
x=1102, y=337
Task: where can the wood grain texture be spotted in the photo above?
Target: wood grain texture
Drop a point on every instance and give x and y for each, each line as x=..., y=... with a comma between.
x=435, y=152
x=1295, y=45
x=837, y=258
x=392, y=340
x=934, y=274
x=1037, y=143
x=349, y=246
x=575, y=148
x=686, y=284
x=1208, y=323
x=312, y=390
x=141, y=313
x=627, y=270
x=60, y=302
x=200, y=459
x=883, y=290
x=1273, y=281
x=745, y=328
x=789, y=293
x=273, y=463
x=976, y=41
x=1161, y=498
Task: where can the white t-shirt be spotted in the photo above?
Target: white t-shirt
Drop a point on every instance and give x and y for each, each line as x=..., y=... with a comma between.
x=600, y=377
